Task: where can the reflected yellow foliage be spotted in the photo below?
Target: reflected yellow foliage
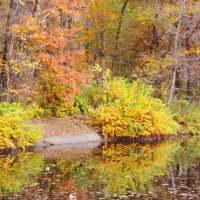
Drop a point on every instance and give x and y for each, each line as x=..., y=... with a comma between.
x=112, y=168
x=18, y=170
x=134, y=166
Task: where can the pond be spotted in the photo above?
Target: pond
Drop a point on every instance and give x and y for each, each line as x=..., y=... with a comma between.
x=165, y=170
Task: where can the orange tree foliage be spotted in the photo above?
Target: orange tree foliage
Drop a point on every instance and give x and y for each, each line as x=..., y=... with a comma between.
x=48, y=40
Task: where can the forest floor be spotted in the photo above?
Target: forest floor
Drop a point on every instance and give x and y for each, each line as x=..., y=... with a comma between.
x=65, y=126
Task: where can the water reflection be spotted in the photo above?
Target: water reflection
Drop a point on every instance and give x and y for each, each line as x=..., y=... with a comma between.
x=17, y=171
x=167, y=170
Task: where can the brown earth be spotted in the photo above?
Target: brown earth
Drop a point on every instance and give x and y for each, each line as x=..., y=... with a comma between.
x=65, y=126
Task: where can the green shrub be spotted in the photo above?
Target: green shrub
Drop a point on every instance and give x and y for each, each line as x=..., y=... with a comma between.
x=57, y=109
x=15, y=131
x=119, y=108
x=66, y=110
x=35, y=110
x=187, y=114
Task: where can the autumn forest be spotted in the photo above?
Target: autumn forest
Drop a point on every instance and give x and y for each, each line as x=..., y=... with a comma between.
x=130, y=67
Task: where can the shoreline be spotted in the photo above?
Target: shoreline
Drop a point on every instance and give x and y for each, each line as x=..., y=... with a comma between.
x=74, y=132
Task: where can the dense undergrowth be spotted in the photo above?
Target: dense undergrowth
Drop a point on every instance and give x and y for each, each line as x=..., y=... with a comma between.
x=15, y=130
x=187, y=114
x=116, y=107
x=119, y=109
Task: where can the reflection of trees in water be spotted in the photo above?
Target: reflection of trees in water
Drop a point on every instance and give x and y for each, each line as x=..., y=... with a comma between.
x=118, y=168
x=183, y=178
x=137, y=168
x=166, y=170
x=56, y=182
x=128, y=167
x=17, y=171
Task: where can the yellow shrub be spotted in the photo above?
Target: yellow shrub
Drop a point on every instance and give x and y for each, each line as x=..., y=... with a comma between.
x=66, y=110
x=14, y=129
x=131, y=111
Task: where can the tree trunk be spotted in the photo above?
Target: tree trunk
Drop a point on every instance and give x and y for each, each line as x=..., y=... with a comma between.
x=176, y=50
x=155, y=40
x=34, y=13
x=63, y=19
x=178, y=83
x=70, y=21
x=5, y=70
x=118, y=33
x=36, y=8
x=173, y=183
x=189, y=84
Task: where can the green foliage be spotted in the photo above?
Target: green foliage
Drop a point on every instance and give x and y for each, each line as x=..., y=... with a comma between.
x=119, y=108
x=15, y=131
x=189, y=151
x=66, y=110
x=187, y=114
x=56, y=109
x=15, y=171
x=35, y=110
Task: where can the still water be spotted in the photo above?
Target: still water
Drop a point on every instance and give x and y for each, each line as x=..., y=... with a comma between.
x=165, y=170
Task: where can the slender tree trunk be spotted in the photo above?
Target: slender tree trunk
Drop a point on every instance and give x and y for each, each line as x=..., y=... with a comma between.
x=155, y=40
x=70, y=21
x=63, y=19
x=173, y=183
x=87, y=44
x=178, y=82
x=36, y=8
x=5, y=70
x=189, y=178
x=34, y=13
x=118, y=34
x=176, y=50
x=189, y=84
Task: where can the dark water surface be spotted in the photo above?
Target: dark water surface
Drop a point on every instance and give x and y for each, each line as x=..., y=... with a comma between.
x=166, y=170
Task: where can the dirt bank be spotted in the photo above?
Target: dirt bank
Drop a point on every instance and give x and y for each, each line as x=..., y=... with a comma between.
x=68, y=131
x=65, y=126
